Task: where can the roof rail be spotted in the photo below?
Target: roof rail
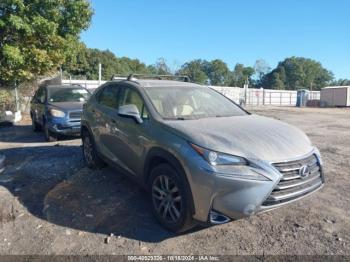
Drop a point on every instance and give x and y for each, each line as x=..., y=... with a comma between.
x=159, y=77
x=63, y=84
x=119, y=77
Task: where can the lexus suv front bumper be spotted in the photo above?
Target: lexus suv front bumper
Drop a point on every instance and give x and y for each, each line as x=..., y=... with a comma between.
x=235, y=197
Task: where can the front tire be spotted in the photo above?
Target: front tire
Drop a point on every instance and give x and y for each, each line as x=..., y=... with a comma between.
x=90, y=154
x=170, y=199
x=49, y=137
x=35, y=125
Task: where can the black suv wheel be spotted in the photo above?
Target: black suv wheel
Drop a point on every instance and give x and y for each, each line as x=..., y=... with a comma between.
x=170, y=199
x=49, y=137
x=90, y=154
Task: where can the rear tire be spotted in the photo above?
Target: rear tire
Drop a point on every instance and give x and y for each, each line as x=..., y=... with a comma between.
x=35, y=126
x=90, y=154
x=170, y=199
x=49, y=136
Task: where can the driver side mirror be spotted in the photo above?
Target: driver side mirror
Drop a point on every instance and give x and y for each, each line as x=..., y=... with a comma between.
x=130, y=111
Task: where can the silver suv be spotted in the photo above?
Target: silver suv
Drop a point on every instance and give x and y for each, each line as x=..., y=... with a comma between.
x=201, y=157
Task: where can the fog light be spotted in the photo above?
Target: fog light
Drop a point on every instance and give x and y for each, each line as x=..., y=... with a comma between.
x=216, y=218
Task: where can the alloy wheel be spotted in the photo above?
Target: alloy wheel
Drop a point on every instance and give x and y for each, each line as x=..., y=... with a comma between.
x=88, y=150
x=167, y=198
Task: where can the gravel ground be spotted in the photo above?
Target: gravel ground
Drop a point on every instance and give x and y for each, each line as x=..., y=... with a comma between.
x=50, y=203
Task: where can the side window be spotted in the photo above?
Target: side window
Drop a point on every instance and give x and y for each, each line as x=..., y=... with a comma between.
x=40, y=95
x=35, y=97
x=109, y=96
x=131, y=96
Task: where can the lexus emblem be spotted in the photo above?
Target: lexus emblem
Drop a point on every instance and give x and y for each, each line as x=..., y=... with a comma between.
x=304, y=171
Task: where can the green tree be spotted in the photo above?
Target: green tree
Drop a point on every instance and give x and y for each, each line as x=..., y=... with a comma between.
x=78, y=62
x=86, y=64
x=261, y=68
x=217, y=72
x=298, y=72
x=276, y=81
x=341, y=82
x=38, y=36
x=108, y=61
x=240, y=75
x=159, y=68
x=194, y=69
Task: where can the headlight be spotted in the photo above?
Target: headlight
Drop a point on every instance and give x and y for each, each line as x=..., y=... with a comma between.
x=57, y=113
x=216, y=158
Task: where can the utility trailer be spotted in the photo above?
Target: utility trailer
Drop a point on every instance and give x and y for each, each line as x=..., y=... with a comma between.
x=336, y=95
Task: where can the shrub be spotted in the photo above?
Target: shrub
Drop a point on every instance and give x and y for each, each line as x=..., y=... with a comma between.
x=7, y=100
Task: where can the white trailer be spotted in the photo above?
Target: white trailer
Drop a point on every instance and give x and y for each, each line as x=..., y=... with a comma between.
x=336, y=95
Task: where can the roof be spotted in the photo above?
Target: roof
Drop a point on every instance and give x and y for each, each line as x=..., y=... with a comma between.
x=165, y=83
x=335, y=87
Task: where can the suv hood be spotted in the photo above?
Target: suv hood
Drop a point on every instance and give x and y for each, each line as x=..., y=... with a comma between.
x=68, y=106
x=249, y=136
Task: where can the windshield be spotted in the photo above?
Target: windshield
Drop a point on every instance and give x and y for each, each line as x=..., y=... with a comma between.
x=191, y=103
x=68, y=95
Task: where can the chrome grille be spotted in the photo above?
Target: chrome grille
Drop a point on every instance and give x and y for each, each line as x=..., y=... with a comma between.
x=292, y=184
x=75, y=114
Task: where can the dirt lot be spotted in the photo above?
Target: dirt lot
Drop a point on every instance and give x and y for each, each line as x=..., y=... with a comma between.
x=50, y=203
